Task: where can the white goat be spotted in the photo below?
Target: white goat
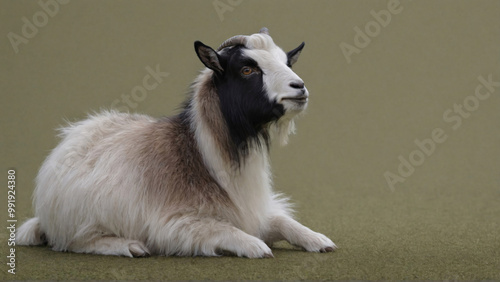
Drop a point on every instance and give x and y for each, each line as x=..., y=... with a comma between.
x=198, y=183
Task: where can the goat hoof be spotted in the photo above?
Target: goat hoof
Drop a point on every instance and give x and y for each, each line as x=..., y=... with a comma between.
x=138, y=250
x=327, y=250
x=268, y=255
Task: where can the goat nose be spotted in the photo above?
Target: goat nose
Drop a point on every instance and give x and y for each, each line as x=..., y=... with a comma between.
x=297, y=85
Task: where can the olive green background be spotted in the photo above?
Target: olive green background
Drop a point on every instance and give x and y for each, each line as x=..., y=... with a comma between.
x=442, y=222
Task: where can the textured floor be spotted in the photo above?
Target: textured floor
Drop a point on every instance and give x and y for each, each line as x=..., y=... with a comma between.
x=415, y=234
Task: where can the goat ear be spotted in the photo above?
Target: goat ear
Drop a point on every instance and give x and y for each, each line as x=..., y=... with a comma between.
x=293, y=55
x=208, y=56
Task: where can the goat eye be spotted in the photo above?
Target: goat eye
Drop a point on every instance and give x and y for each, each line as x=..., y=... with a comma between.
x=246, y=70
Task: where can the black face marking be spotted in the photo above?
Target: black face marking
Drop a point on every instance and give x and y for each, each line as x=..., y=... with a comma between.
x=244, y=103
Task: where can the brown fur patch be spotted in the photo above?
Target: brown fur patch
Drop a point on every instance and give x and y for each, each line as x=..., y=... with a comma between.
x=174, y=170
x=209, y=110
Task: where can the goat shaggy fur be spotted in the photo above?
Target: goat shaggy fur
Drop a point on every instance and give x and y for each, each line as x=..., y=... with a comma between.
x=197, y=183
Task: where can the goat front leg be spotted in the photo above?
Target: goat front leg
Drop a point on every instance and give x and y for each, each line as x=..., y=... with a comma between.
x=285, y=227
x=193, y=235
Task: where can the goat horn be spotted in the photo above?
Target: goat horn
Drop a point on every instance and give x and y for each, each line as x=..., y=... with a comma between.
x=264, y=30
x=235, y=40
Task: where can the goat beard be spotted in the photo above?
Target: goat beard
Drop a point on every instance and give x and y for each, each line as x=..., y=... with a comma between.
x=281, y=129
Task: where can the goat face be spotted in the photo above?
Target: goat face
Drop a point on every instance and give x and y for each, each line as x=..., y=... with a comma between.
x=254, y=80
x=281, y=84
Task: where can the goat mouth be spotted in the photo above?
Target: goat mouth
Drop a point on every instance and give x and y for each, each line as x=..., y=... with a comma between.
x=298, y=99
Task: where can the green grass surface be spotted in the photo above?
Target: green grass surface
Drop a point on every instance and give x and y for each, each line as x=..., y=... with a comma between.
x=413, y=234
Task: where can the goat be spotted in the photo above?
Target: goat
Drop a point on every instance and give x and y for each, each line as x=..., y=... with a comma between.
x=197, y=183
